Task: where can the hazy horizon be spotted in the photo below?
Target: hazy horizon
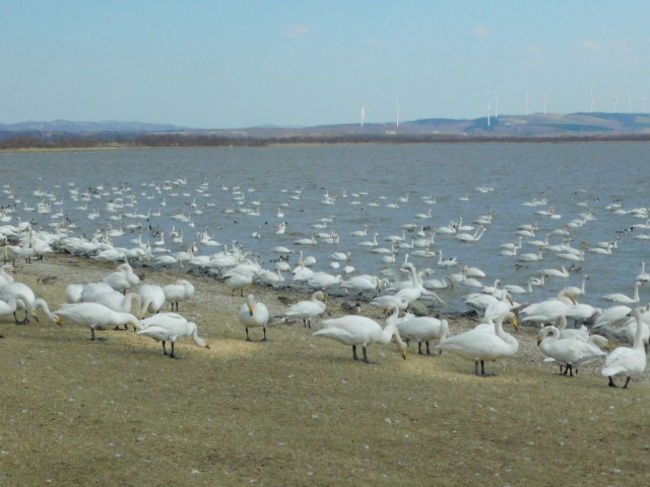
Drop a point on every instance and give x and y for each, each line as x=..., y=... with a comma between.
x=226, y=65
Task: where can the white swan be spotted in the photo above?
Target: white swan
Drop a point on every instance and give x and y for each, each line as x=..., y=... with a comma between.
x=360, y=331
x=621, y=298
x=423, y=329
x=6, y=272
x=24, y=294
x=571, y=352
x=254, y=314
x=164, y=327
x=94, y=315
x=152, y=297
x=177, y=292
x=123, y=278
x=549, y=310
x=625, y=361
x=306, y=310
x=480, y=344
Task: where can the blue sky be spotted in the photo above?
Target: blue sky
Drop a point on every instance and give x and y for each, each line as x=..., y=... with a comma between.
x=222, y=64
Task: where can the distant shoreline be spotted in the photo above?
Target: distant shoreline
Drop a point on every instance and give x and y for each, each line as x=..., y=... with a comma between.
x=187, y=142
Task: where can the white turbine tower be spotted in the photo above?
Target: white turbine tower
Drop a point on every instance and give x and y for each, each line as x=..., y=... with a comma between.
x=488, y=117
x=397, y=116
x=526, y=105
x=545, y=102
x=363, y=115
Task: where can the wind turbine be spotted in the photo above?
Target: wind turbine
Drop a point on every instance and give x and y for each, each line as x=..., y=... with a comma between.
x=363, y=115
x=397, y=116
x=488, y=117
x=526, y=105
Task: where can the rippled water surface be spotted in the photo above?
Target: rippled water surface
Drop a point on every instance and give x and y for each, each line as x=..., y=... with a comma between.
x=222, y=189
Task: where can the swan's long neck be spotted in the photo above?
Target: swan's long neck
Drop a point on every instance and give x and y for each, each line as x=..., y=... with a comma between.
x=561, y=322
x=133, y=304
x=195, y=335
x=636, y=292
x=445, y=330
x=42, y=304
x=392, y=319
x=638, y=336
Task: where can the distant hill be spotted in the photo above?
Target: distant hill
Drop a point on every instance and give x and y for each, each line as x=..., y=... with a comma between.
x=552, y=126
x=87, y=127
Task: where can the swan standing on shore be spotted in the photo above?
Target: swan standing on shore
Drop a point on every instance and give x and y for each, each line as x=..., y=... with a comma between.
x=164, y=327
x=360, y=331
x=308, y=309
x=481, y=344
x=177, y=292
x=93, y=315
x=254, y=314
x=626, y=361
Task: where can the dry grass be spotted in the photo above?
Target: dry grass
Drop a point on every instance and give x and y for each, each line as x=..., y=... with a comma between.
x=294, y=411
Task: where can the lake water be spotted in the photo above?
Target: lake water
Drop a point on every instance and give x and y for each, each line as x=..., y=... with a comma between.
x=364, y=184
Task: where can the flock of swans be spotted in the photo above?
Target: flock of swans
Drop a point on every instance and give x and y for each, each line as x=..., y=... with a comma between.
x=176, y=223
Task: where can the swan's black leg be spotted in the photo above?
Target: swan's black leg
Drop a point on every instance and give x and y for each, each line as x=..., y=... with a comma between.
x=164, y=348
x=247, y=337
x=627, y=381
x=264, y=339
x=365, y=355
x=611, y=382
x=354, y=352
x=92, y=334
x=428, y=348
x=419, y=348
x=171, y=355
x=482, y=368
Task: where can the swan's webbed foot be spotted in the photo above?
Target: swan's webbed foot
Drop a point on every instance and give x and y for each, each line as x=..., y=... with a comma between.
x=611, y=382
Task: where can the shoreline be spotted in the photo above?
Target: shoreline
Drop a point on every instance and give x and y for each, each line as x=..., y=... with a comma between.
x=262, y=143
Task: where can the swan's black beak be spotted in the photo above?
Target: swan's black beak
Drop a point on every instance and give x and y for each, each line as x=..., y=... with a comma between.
x=250, y=310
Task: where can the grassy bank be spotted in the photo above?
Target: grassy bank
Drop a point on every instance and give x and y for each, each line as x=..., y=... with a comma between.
x=296, y=410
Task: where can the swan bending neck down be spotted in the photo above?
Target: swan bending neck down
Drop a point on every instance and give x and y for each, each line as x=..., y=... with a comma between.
x=360, y=331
